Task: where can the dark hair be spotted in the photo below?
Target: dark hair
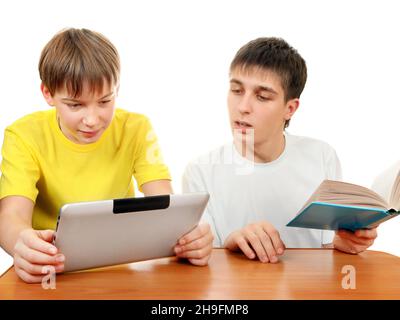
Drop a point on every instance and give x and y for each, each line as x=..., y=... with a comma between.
x=276, y=55
x=74, y=56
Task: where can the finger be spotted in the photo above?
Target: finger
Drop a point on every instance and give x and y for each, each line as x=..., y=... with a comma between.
x=35, y=269
x=196, y=233
x=268, y=247
x=275, y=238
x=345, y=234
x=255, y=243
x=27, y=277
x=58, y=268
x=352, y=237
x=46, y=235
x=38, y=257
x=246, y=249
x=349, y=246
x=38, y=243
x=195, y=254
x=367, y=233
x=200, y=262
x=202, y=242
x=356, y=247
x=360, y=248
x=32, y=269
x=205, y=240
x=344, y=245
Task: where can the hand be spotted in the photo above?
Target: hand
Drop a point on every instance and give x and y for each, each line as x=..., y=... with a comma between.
x=32, y=252
x=196, y=245
x=354, y=242
x=260, y=239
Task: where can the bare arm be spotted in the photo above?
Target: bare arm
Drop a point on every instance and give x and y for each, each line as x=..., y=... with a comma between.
x=31, y=249
x=158, y=187
x=15, y=216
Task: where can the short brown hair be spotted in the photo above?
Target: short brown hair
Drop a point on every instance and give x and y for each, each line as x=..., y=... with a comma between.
x=276, y=55
x=74, y=56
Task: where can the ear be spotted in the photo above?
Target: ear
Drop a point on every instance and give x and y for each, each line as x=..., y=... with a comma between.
x=291, y=107
x=47, y=95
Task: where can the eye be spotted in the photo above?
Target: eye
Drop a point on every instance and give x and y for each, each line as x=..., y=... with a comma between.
x=236, y=91
x=105, y=101
x=262, y=98
x=73, y=105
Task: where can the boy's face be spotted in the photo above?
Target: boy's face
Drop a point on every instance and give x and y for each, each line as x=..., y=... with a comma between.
x=256, y=100
x=83, y=119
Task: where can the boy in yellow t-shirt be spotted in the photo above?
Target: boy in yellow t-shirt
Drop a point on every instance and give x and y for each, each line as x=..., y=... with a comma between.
x=83, y=149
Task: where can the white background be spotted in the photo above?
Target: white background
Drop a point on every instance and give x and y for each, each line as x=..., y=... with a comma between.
x=175, y=57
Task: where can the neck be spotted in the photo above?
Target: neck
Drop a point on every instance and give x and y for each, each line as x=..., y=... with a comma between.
x=263, y=152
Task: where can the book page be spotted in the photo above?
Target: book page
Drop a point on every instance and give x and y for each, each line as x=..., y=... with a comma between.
x=338, y=192
x=394, y=201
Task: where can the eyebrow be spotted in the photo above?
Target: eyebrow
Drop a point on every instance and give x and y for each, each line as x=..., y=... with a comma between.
x=75, y=100
x=262, y=88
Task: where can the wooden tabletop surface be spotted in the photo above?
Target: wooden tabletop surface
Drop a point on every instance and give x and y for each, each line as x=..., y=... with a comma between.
x=300, y=274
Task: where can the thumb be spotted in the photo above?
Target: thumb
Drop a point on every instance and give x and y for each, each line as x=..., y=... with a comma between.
x=46, y=235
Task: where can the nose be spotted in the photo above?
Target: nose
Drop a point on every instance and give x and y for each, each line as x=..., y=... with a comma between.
x=244, y=105
x=91, y=118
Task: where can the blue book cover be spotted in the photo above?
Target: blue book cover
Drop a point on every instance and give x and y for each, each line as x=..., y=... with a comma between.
x=330, y=216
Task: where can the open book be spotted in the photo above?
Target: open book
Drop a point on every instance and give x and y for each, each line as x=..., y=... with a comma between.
x=340, y=205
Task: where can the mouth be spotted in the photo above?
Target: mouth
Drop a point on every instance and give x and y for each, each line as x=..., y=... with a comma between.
x=89, y=133
x=241, y=125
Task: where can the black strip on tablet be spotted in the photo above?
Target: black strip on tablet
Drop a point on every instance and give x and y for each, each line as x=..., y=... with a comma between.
x=141, y=204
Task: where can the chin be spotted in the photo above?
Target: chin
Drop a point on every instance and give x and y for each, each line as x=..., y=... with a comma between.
x=87, y=140
x=91, y=140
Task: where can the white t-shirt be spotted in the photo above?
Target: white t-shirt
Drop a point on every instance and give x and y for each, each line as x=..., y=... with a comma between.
x=242, y=192
x=388, y=232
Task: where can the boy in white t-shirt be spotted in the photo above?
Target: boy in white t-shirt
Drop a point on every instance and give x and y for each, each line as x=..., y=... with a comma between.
x=258, y=183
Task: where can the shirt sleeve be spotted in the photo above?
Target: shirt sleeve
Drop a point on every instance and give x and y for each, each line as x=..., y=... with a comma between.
x=148, y=164
x=192, y=181
x=20, y=171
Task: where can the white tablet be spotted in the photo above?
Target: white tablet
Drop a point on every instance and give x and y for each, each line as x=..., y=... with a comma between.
x=103, y=233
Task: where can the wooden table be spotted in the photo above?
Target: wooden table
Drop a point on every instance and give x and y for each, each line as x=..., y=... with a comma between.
x=300, y=274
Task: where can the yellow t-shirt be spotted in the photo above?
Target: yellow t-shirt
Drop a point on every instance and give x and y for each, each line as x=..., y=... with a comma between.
x=40, y=163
